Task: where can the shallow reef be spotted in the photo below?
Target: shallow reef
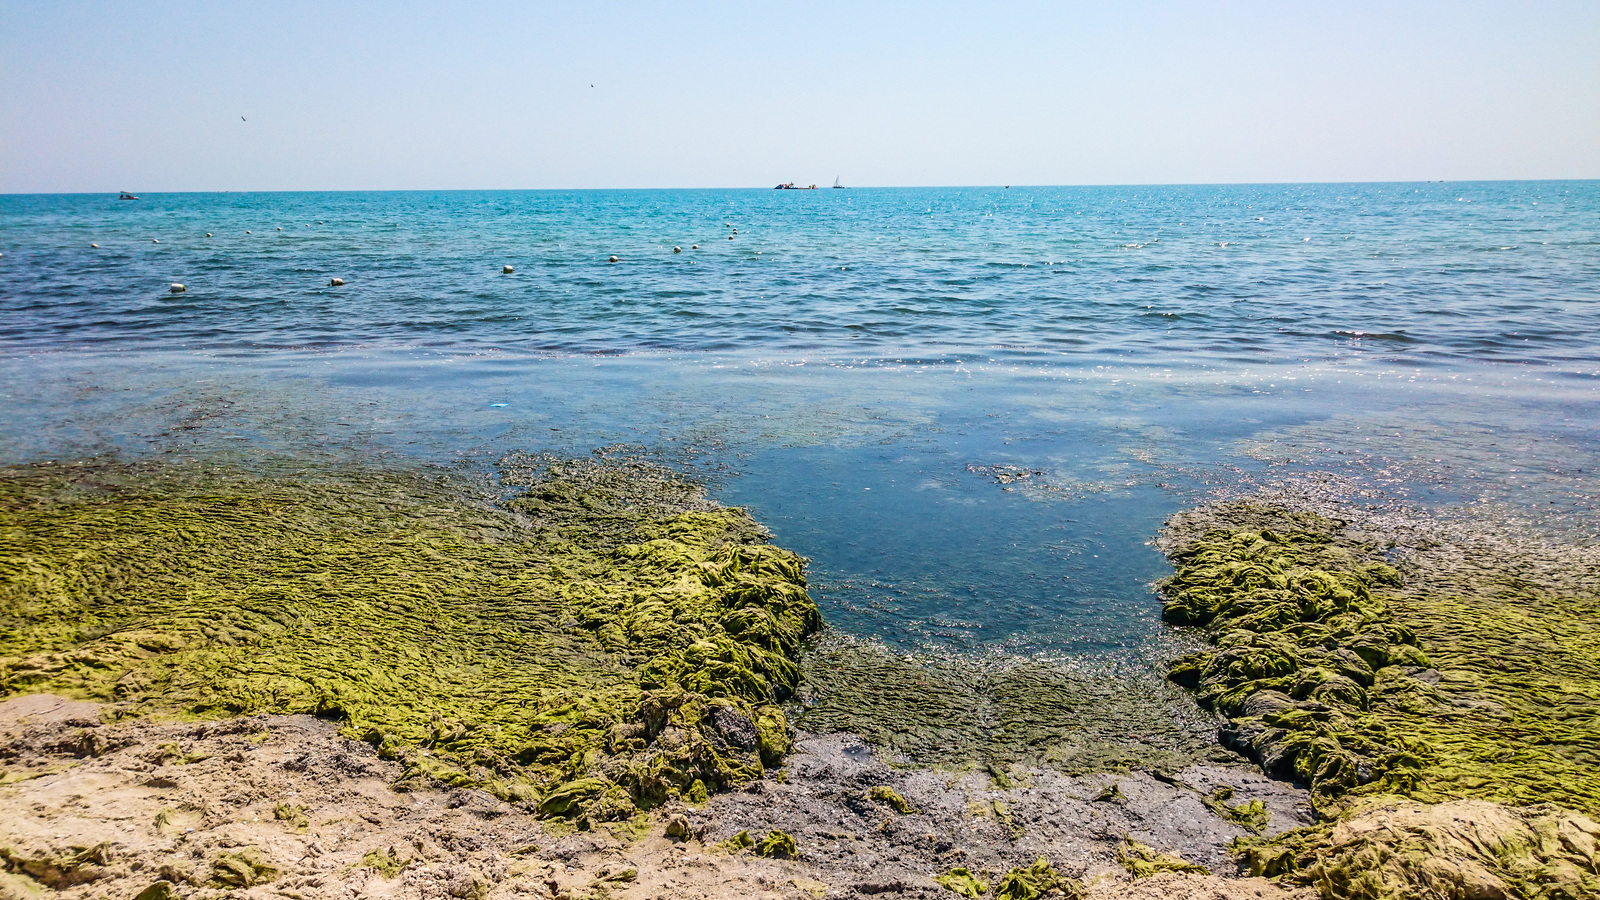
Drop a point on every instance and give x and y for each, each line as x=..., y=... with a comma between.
x=1404, y=679
x=596, y=642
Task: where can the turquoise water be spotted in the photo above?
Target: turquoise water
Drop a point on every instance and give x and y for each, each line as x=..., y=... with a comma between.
x=868, y=370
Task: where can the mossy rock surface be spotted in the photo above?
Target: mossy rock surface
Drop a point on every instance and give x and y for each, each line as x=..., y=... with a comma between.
x=1444, y=710
x=1335, y=670
x=603, y=641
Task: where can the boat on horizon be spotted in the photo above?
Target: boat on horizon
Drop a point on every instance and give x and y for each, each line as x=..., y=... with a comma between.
x=791, y=186
x=127, y=196
x=836, y=184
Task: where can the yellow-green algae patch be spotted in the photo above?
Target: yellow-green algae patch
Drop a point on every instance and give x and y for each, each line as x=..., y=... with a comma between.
x=973, y=712
x=608, y=643
x=1445, y=711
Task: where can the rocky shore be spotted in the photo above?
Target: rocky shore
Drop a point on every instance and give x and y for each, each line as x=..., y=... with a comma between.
x=1433, y=684
x=582, y=680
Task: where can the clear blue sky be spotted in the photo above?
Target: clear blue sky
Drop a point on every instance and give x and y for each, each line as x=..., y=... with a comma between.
x=148, y=96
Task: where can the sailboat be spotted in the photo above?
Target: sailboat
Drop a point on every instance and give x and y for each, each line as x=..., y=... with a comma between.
x=836, y=185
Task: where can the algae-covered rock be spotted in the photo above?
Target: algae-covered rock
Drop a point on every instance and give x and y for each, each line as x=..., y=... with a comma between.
x=611, y=641
x=1142, y=861
x=388, y=863
x=160, y=890
x=242, y=869
x=1460, y=680
x=1251, y=815
x=886, y=794
x=1038, y=880
x=74, y=866
x=1463, y=848
x=960, y=880
x=776, y=845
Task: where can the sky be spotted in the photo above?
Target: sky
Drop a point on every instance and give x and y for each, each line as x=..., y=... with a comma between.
x=160, y=96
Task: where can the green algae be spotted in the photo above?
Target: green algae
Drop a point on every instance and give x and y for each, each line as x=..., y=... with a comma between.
x=75, y=866
x=1336, y=673
x=591, y=666
x=242, y=869
x=293, y=816
x=776, y=845
x=1445, y=713
x=961, y=712
x=388, y=863
x=885, y=794
x=160, y=890
x=1461, y=848
x=962, y=881
x=1252, y=815
x=1142, y=860
x=1038, y=880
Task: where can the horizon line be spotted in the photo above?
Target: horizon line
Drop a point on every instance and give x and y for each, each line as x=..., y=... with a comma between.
x=1152, y=184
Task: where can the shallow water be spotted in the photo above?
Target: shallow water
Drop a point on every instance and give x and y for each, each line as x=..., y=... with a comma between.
x=853, y=365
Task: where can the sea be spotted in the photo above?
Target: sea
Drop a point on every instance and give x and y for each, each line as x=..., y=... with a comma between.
x=971, y=408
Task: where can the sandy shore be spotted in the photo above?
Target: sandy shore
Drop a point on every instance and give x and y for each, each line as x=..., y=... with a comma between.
x=282, y=806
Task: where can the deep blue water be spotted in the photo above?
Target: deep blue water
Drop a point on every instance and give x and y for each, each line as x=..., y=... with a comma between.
x=853, y=364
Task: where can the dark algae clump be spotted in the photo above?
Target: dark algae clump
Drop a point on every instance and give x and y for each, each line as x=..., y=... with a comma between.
x=1441, y=699
x=603, y=641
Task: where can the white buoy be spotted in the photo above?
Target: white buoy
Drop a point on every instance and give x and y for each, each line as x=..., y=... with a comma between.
x=208, y=234
x=336, y=282
x=677, y=249
x=506, y=270
x=280, y=227
x=613, y=259
x=94, y=246
x=694, y=246
x=154, y=241
x=249, y=232
x=177, y=288
x=730, y=237
x=736, y=231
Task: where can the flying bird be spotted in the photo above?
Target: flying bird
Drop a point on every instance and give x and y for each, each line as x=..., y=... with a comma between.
x=243, y=119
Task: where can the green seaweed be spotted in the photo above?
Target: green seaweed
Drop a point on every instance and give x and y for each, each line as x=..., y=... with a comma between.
x=293, y=816
x=1038, y=880
x=886, y=794
x=1142, y=861
x=988, y=713
x=776, y=845
x=77, y=865
x=609, y=643
x=1460, y=848
x=160, y=890
x=388, y=863
x=1334, y=673
x=960, y=880
x=1252, y=815
x=1447, y=721
x=739, y=842
x=242, y=869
